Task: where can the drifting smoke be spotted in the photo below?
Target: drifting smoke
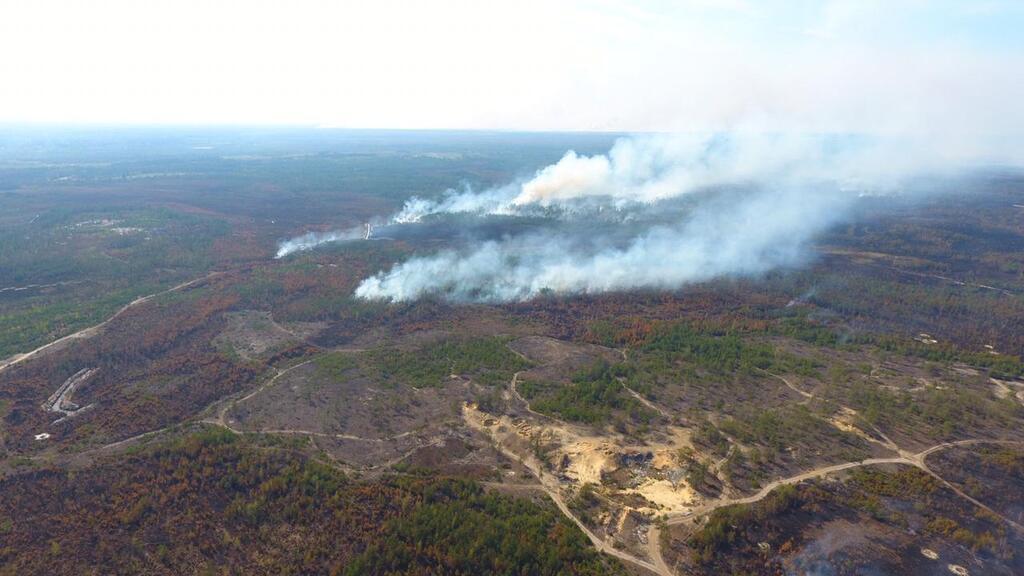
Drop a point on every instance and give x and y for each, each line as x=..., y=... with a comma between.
x=716, y=240
x=313, y=239
x=493, y=201
x=753, y=204
x=647, y=170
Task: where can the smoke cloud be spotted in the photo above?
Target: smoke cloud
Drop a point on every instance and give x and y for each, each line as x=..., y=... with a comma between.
x=493, y=201
x=645, y=170
x=765, y=230
x=311, y=240
x=656, y=212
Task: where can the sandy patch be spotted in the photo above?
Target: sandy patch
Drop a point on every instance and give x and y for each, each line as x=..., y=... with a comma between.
x=662, y=493
x=588, y=459
x=1000, y=389
x=664, y=459
x=253, y=333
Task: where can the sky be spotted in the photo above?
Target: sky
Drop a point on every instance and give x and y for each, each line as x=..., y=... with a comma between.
x=953, y=68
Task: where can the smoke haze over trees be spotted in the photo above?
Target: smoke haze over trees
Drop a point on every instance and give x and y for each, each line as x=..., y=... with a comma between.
x=659, y=212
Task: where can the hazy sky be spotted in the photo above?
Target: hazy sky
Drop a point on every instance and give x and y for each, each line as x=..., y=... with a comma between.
x=921, y=66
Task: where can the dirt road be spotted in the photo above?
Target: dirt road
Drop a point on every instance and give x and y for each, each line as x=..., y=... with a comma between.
x=94, y=330
x=916, y=460
x=639, y=398
x=807, y=395
x=657, y=564
x=552, y=488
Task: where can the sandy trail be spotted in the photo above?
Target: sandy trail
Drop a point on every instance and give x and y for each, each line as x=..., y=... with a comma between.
x=658, y=564
x=552, y=487
x=807, y=395
x=654, y=550
x=515, y=393
x=38, y=286
x=850, y=426
x=94, y=330
x=475, y=420
x=953, y=281
x=872, y=257
x=917, y=460
x=526, y=405
x=220, y=420
x=645, y=401
x=548, y=483
x=60, y=400
x=767, y=489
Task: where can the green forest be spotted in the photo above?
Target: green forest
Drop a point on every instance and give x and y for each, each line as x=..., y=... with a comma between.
x=214, y=503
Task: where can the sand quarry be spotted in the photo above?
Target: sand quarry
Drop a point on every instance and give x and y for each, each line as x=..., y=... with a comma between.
x=575, y=457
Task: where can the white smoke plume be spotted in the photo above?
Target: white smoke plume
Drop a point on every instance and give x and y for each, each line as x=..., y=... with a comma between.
x=493, y=201
x=762, y=231
x=755, y=204
x=311, y=240
x=649, y=169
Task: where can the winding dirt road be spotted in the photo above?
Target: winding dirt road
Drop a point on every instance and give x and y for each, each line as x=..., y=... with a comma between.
x=807, y=395
x=657, y=563
x=94, y=330
x=548, y=483
x=916, y=460
x=231, y=403
x=39, y=286
x=222, y=420
x=526, y=405
x=639, y=398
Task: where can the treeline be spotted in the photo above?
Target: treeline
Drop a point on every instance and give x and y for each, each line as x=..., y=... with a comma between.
x=728, y=345
x=800, y=327
x=785, y=427
x=933, y=412
x=594, y=396
x=715, y=350
x=460, y=530
x=992, y=473
x=882, y=301
x=213, y=503
x=713, y=345
x=487, y=360
x=28, y=325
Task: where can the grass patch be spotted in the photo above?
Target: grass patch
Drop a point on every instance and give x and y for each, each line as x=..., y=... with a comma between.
x=594, y=396
x=487, y=361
